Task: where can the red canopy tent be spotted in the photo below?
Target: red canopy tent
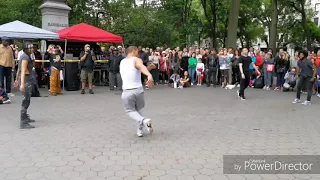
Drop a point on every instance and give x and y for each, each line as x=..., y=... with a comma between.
x=87, y=33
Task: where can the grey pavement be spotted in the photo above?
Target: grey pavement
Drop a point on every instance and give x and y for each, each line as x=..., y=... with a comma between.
x=89, y=137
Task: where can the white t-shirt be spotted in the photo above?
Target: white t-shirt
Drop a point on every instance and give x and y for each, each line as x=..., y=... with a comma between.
x=200, y=66
x=130, y=75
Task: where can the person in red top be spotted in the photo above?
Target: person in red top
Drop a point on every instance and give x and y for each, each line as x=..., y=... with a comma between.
x=317, y=59
x=259, y=61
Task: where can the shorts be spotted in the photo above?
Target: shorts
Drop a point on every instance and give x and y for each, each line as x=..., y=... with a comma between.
x=86, y=76
x=198, y=73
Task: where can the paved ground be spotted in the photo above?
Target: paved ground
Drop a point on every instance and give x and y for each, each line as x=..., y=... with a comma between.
x=89, y=137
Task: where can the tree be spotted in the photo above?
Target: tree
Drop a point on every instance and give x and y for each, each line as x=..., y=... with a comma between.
x=233, y=24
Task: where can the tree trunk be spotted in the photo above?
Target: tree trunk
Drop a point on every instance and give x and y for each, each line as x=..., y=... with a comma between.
x=305, y=28
x=233, y=24
x=144, y=3
x=214, y=22
x=273, y=27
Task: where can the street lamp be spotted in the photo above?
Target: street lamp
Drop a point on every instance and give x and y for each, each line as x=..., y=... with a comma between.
x=200, y=28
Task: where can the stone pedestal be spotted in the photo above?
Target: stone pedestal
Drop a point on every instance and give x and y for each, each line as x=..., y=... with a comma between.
x=55, y=15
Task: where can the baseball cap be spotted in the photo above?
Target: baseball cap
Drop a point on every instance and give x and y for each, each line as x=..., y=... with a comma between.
x=119, y=47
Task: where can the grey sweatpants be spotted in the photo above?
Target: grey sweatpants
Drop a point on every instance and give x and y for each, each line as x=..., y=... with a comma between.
x=133, y=100
x=115, y=80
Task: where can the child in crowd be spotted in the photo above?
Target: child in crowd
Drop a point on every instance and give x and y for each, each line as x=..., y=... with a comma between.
x=4, y=99
x=290, y=80
x=185, y=81
x=200, y=71
x=174, y=79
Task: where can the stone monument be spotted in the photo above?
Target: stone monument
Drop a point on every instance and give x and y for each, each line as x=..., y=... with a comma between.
x=55, y=15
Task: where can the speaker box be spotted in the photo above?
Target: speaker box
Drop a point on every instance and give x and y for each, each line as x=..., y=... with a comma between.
x=72, y=79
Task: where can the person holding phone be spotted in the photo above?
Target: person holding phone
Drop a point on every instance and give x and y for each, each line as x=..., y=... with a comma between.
x=55, y=63
x=87, y=59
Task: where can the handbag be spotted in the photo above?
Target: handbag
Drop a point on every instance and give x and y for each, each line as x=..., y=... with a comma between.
x=270, y=67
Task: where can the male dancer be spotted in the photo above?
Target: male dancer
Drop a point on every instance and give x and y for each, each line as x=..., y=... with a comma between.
x=307, y=73
x=133, y=95
x=244, y=63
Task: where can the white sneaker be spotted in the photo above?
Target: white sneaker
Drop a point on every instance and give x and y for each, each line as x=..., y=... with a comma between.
x=191, y=84
x=318, y=95
x=238, y=93
x=306, y=103
x=238, y=85
x=264, y=87
x=7, y=101
x=140, y=129
x=295, y=101
x=11, y=94
x=147, y=125
x=267, y=88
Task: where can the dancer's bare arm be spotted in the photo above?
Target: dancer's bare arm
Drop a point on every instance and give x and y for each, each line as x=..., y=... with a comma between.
x=138, y=64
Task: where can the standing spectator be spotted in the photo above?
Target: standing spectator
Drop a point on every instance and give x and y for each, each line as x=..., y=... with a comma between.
x=251, y=68
x=114, y=71
x=307, y=73
x=175, y=61
x=259, y=61
x=38, y=65
x=230, y=57
x=7, y=65
x=155, y=59
x=268, y=68
x=317, y=82
x=87, y=59
x=145, y=59
x=184, y=62
x=200, y=71
x=224, y=67
x=212, y=66
x=198, y=54
x=163, y=67
x=235, y=68
x=55, y=66
x=282, y=65
x=192, y=63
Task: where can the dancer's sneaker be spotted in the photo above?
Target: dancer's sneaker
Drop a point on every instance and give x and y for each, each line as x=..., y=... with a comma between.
x=238, y=93
x=140, y=131
x=243, y=98
x=147, y=125
x=264, y=87
x=308, y=103
x=295, y=101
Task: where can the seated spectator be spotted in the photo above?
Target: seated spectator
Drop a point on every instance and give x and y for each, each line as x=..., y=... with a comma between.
x=290, y=80
x=4, y=99
x=185, y=81
x=174, y=79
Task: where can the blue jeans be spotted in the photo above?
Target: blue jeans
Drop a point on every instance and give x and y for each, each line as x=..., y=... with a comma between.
x=6, y=74
x=280, y=79
x=192, y=73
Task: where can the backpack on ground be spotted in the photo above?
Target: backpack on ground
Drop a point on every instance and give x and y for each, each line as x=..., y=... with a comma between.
x=259, y=83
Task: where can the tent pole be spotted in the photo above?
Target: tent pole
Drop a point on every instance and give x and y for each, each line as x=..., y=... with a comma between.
x=64, y=70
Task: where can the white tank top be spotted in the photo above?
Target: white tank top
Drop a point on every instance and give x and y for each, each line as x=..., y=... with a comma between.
x=131, y=77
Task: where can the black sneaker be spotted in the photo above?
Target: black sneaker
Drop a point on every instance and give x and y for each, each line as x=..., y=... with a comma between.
x=243, y=98
x=91, y=92
x=25, y=125
x=82, y=91
x=28, y=119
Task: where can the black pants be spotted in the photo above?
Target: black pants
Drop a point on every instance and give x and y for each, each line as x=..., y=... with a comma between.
x=155, y=73
x=26, y=99
x=235, y=75
x=219, y=76
x=244, y=83
x=39, y=76
x=305, y=81
x=211, y=76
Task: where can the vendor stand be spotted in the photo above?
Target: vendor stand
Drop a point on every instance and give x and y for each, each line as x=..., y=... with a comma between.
x=82, y=33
